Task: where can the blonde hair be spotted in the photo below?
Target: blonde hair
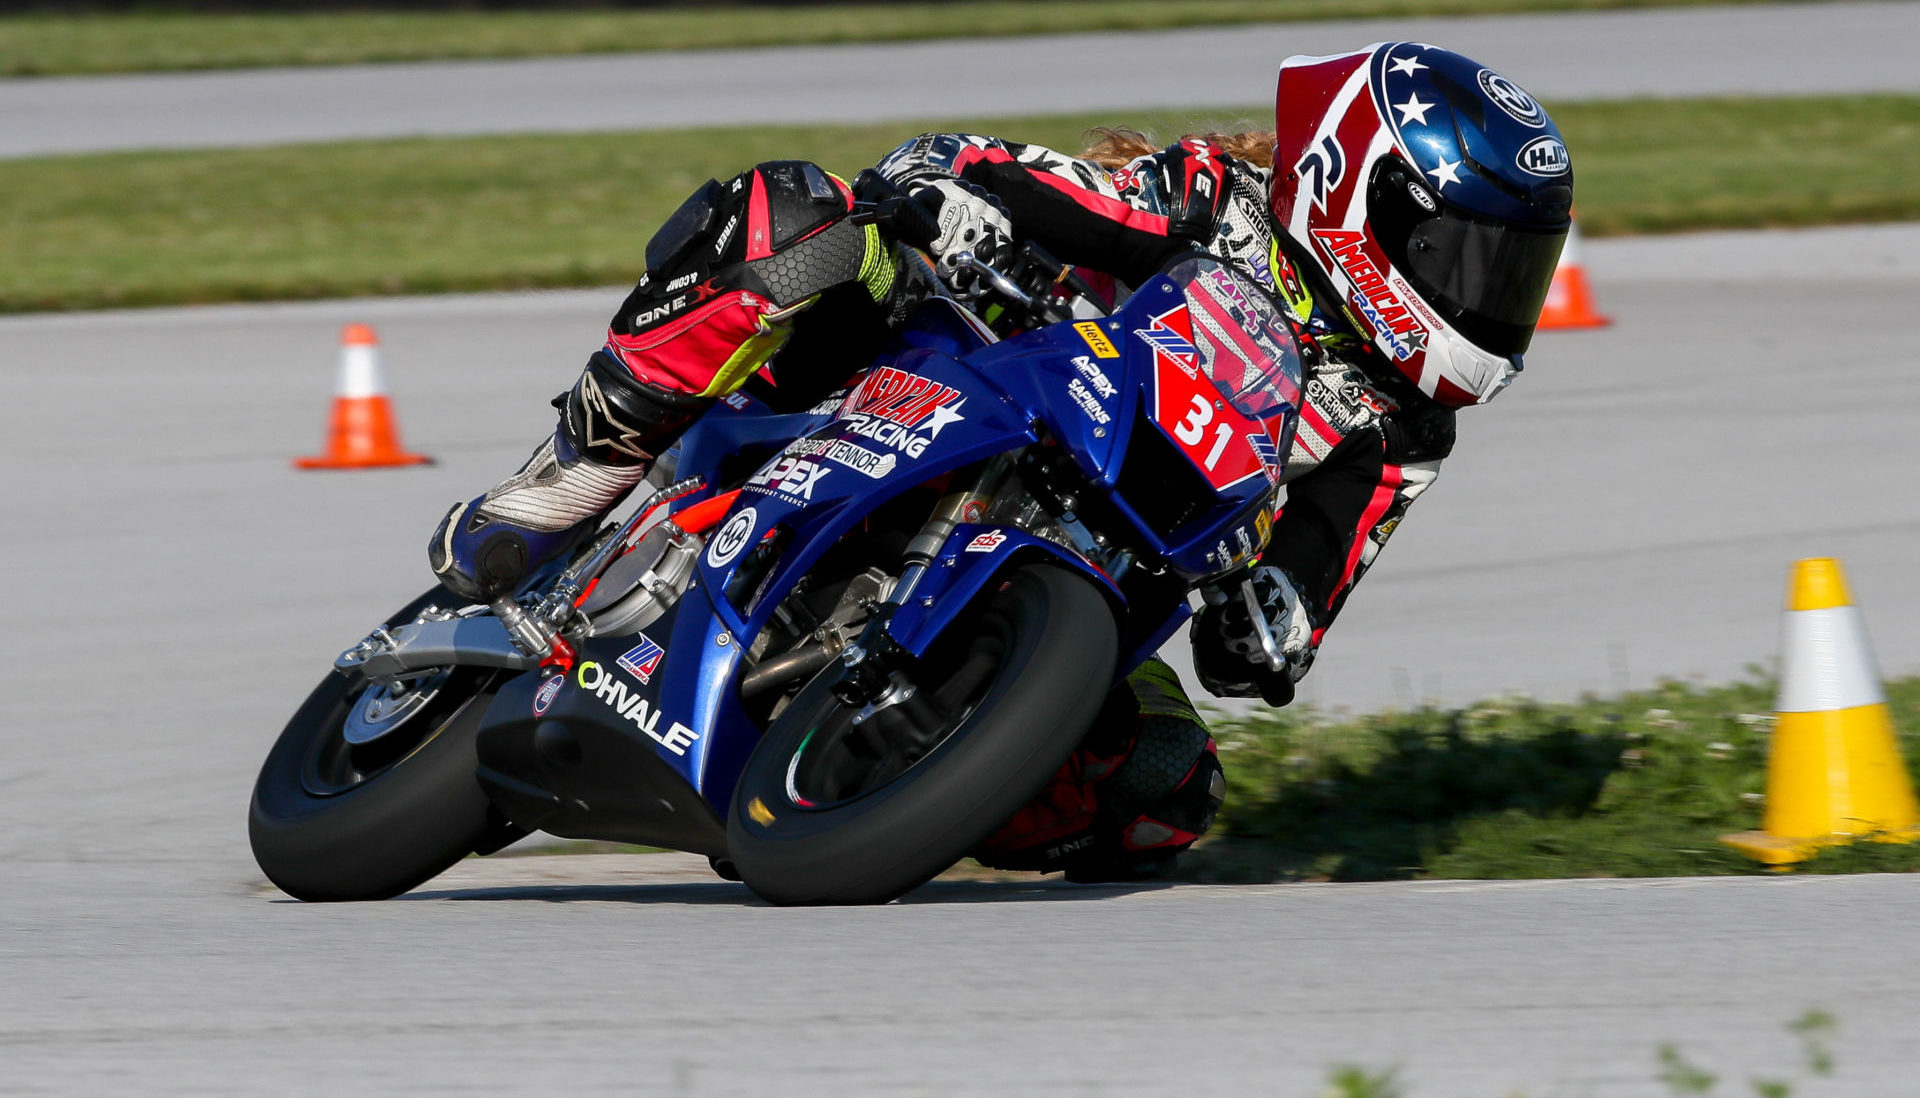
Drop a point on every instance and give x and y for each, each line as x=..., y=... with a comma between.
x=1113, y=146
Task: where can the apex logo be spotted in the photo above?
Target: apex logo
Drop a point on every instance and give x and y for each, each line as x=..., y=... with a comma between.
x=794, y=477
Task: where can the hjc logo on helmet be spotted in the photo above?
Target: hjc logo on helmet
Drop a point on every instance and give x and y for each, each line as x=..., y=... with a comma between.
x=1543, y=156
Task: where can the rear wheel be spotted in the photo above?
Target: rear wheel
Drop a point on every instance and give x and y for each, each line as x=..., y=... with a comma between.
x=370, y=791
x=845, y=805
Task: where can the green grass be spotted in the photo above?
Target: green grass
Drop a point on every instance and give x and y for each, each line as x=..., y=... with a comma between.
x=433, y=215
x=38, y=45
x=409, y=216
x=1651, y=166
x=1637, y=786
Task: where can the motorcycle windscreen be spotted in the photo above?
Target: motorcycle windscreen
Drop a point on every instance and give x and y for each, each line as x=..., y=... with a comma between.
x=1226, y=374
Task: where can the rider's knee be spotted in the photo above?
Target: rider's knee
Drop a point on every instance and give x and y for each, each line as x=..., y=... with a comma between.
x=731, y=269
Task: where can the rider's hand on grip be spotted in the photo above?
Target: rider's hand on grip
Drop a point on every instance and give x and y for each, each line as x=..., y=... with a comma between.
x=897, y=214
x=1228, y=652
x=970, y=220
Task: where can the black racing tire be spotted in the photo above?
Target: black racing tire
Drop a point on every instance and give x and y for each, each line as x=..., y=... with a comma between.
x=324, y=830
x=1053, y=646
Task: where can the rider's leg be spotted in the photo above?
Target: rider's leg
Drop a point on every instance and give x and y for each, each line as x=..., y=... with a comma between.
x=1143, y=787
x=726, y=276
x=611, y=427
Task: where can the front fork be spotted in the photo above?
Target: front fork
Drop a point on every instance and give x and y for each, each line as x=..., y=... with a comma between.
x=871, y=666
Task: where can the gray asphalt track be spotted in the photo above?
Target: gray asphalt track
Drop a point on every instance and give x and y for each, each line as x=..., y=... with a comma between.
x=1628, y=510
x=500, y=981
x=1762, y=49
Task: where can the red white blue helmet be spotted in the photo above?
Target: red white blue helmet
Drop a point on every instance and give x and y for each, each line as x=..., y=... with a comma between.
x=1434, y=195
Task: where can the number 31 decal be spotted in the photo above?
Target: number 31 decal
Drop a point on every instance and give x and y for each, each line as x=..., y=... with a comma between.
x=1194, y=428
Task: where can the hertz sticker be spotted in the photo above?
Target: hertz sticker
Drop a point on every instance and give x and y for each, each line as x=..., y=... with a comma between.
x=1097, y=340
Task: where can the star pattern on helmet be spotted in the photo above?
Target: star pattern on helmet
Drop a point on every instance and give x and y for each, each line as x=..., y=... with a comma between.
x=1444, y=174
x=1413, y=110
x=1408, y=64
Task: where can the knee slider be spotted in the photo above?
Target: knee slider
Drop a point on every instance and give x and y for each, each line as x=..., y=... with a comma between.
x=799, y=198
x=779, y=232
x=800, y=242
x=614, y=418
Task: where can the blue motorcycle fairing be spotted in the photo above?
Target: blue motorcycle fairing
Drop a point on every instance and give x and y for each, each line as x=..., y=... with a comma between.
x=641, y=740
x=1059, y=378
x=817, y=487
x=661, y=702
x=665, y=689
x=738, y=422
x=726, y=430
x=1085, y=402
x=821, y=485
x=972, y=556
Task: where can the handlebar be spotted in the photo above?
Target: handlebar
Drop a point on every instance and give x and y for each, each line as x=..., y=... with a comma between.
x=877, y=201
x=1007, y=287
x=1027, y=287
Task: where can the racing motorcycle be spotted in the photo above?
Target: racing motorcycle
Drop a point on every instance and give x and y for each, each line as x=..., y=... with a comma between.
x=833, y=648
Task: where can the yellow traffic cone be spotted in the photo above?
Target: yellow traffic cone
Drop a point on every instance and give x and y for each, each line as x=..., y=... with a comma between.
x=1835, y=773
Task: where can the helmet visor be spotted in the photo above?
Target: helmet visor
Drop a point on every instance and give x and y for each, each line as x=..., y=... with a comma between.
x=1487, y=278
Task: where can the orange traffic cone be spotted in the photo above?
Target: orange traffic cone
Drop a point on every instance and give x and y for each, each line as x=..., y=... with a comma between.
x=1835, y=773
x=362, y=435
x=1570, y=299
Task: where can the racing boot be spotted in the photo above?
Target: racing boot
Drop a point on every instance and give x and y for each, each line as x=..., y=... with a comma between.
x=611, y=426
x=485, y=547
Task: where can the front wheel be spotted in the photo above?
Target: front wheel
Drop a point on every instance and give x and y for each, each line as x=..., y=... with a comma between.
x=840, y=806
x=370, y=791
